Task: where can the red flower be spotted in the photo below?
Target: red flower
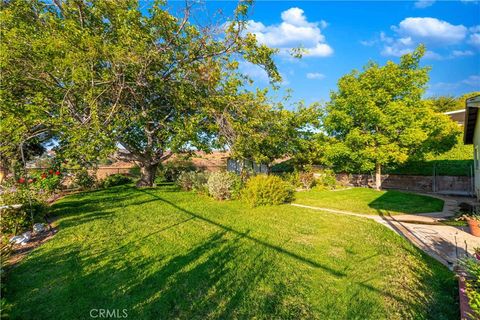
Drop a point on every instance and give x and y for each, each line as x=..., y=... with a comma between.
x=50, y=171
x=21, y=180
x=44, y=175
x=57, y=173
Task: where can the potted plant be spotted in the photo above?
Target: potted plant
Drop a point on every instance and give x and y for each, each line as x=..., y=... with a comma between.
x=473, y=221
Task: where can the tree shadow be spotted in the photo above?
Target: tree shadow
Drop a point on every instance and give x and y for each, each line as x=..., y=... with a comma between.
x=227, y=274
x=409, y=203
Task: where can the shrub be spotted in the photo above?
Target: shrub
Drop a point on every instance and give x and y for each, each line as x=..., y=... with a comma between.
x=283, y=167
x=472, y=269
x=15, y=221
x=267, y=190
x=115, y=180
x=190, y=180
x=172, y=169
x=47, y=181
x=84, y=180
x=326, y=179
x=223, y=185
x=293, y=179
x=135, y=171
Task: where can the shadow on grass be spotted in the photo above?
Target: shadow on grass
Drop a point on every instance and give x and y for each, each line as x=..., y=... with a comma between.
x=409, y=203
x=228, y=274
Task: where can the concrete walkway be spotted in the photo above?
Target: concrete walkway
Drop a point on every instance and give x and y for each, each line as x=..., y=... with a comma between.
x=442, y=242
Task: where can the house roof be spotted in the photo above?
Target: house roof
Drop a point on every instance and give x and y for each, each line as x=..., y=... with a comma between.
x=471, y=113
x=455, y=112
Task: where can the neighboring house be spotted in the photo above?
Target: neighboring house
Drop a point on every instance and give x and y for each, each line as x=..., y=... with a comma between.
x=472, y=135
x=458, y=116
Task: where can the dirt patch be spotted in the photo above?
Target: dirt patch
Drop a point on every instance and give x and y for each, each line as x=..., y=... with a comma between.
x=18, y=251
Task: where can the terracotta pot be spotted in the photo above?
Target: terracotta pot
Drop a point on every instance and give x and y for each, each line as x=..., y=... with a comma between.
x=474, y=227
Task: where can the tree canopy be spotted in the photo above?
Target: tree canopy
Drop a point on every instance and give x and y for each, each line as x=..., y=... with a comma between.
x=102, y=75
x=378, y=117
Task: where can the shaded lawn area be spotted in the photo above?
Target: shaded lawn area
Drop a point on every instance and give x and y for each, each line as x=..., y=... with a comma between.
x=369, y=201
x=163, y=254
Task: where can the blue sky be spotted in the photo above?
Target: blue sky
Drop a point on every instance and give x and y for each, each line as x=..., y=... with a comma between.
x=341, y=36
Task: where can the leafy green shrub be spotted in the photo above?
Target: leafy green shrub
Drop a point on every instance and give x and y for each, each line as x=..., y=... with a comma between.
x=283, y=167
x=48, y=180
x=267, y=190
x=84, y=180
x=115, y=180
x=293, y=178
x=472, y=269
x=15, y=221
x=190, y=180
x=135, y=171
x=223, y=185
x=326, y=179
x=171, y=170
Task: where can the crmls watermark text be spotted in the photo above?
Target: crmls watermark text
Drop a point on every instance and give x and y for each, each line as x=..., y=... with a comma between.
x=108, y=313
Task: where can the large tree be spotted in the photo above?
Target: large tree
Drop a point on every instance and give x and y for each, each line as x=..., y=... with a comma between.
x=109, y=74
x=378, y=117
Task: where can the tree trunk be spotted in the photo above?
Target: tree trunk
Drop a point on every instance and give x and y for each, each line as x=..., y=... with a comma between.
x=378, y=176
x=147, y=175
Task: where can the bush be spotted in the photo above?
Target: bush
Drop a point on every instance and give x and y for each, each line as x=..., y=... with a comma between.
x=472, y=268
x=84, y=180
x=326, y=179
x=189, y=180
x=283, y=167
x=223, y=185
x=47, y=181
x=135, y=171
x=293, y=178
x=115, y=180
x=267, y=190
x=171, y=170
x=15, y=221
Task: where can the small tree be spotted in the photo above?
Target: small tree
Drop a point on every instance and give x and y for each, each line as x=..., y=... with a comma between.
x=377, y=117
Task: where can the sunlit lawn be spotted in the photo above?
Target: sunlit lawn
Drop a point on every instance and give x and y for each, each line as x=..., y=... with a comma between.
x=164, y=254
x=369, y=201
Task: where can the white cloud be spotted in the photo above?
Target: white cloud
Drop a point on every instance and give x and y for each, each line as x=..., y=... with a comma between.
x=473, y=81
x=258, y=74
x=474, y=29
x=464, y=53
x=440, y=35
x=315, y=75
x=424, y=3
x=446, y=88
x=254, y=71
x=431, y=30
x=474, y=40
x=294, y=31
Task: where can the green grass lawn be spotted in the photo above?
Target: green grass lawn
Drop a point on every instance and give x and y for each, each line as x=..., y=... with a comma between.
x=369, y=201
x=164, y=254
